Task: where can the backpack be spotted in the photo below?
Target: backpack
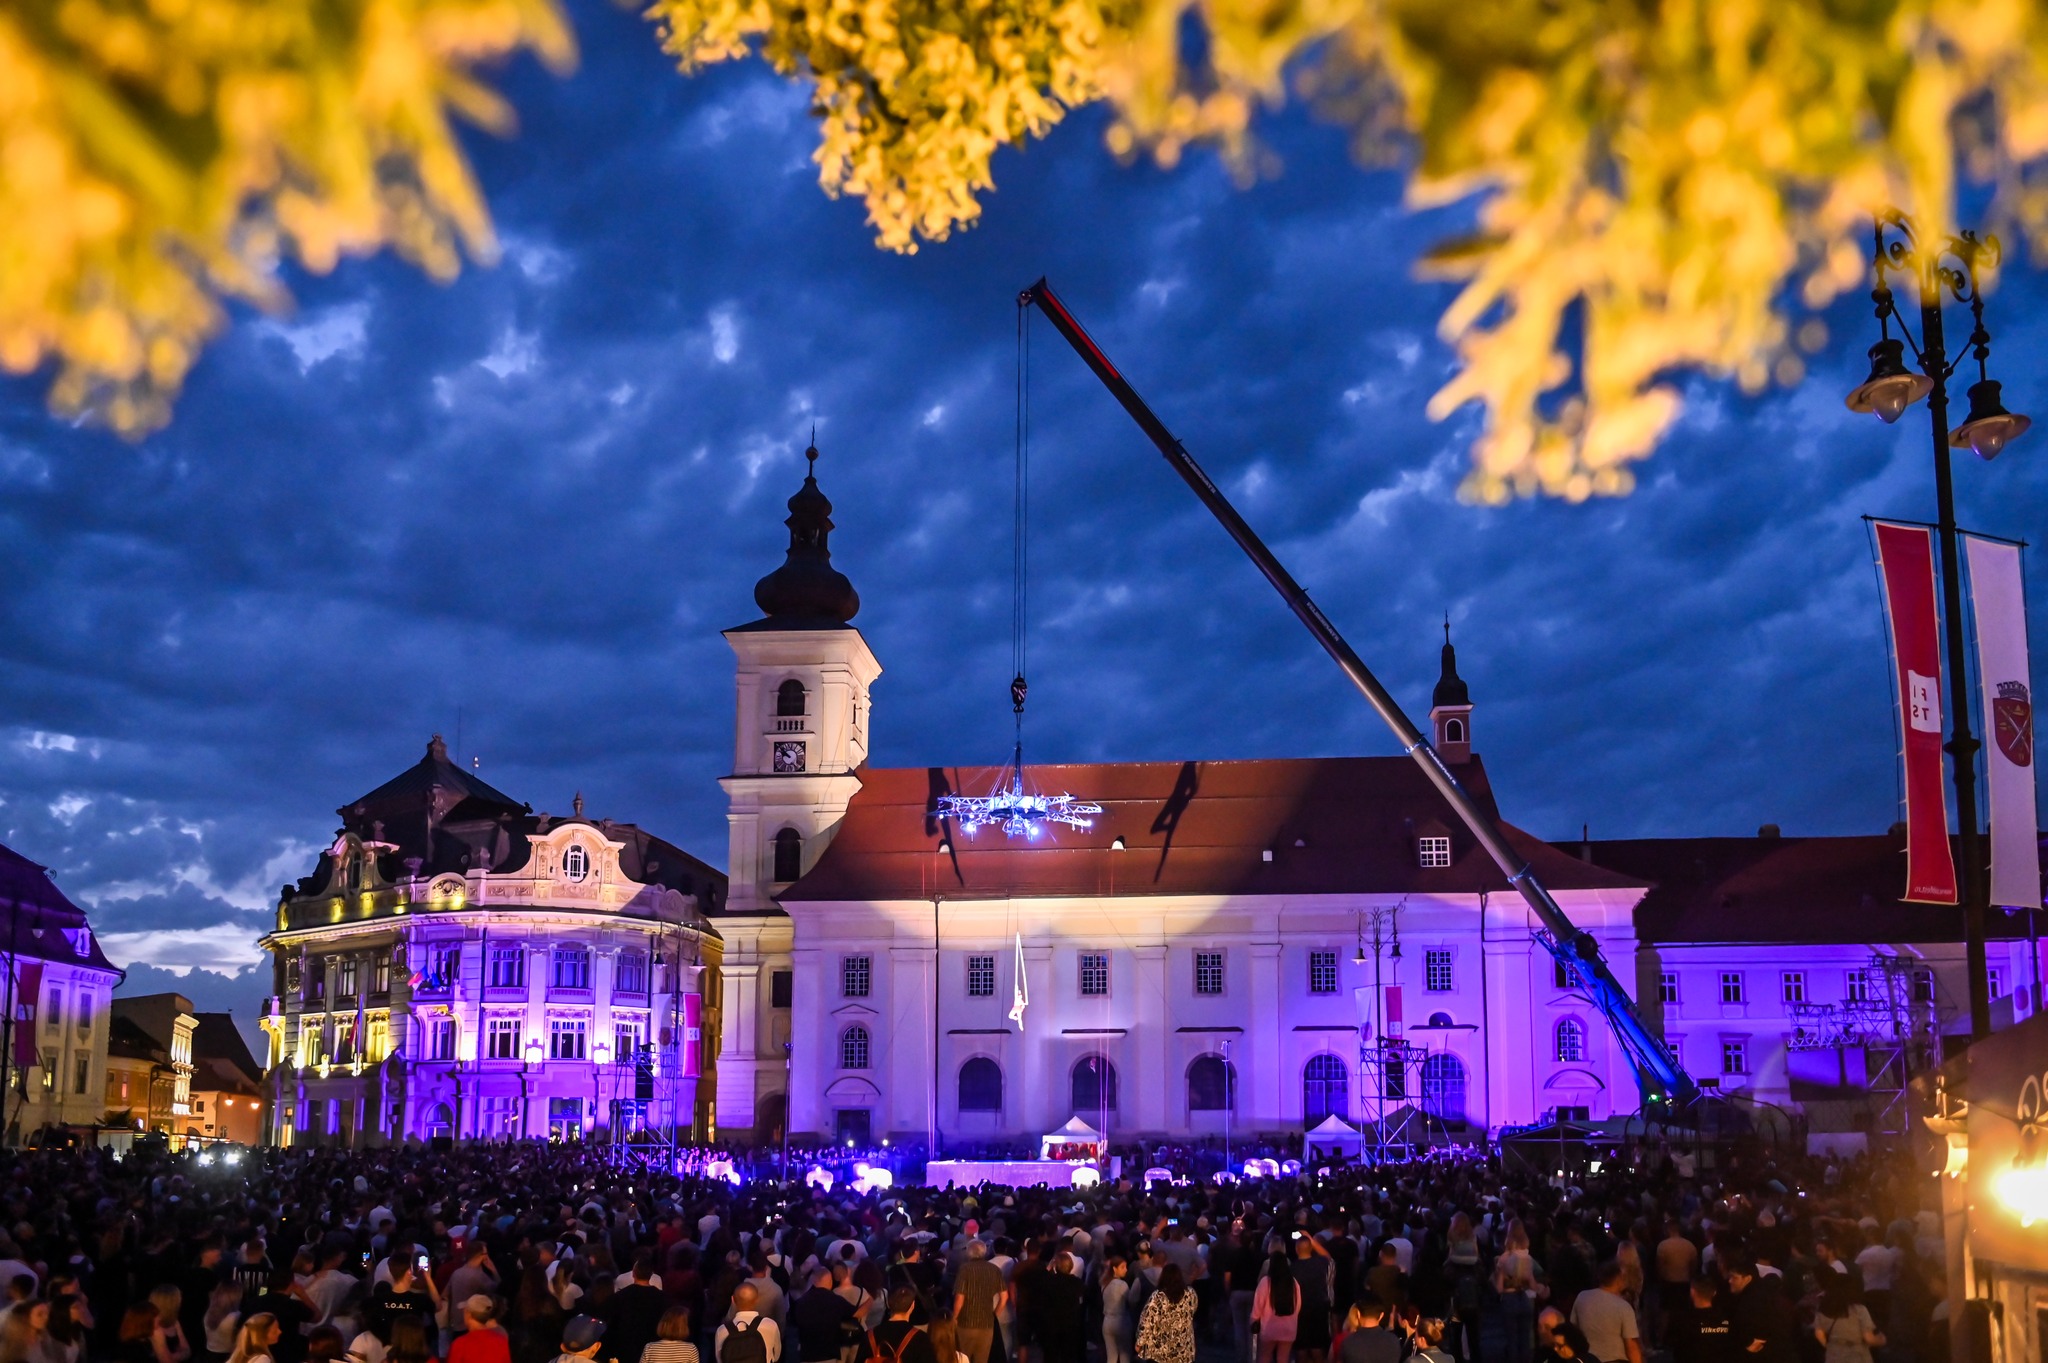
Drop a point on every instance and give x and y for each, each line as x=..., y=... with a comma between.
x=877, y=1354
x=743, y=1343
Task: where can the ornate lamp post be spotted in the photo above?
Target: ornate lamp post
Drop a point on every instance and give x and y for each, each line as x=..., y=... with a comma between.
x=1939, y=270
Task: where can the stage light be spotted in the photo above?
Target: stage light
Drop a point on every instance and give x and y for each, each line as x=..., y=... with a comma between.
x=1016, y=811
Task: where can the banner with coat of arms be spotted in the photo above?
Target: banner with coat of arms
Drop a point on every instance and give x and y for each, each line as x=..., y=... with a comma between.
x=1998, y=601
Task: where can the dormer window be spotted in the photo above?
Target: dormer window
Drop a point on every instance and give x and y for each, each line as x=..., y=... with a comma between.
x=1433, y=852
x=789, y=699
x=576, y=862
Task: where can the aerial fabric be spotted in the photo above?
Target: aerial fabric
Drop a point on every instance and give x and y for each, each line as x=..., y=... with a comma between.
x=1998, y=601
x=1905, y=555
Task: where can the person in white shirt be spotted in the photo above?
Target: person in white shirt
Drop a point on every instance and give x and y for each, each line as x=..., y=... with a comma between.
x=746, y=1316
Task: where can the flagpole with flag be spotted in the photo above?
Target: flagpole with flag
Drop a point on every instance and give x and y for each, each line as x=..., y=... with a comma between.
x=1998, y=601
x=1905, y=555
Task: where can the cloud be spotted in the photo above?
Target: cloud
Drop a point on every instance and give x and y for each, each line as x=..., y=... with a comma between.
x=520, y=507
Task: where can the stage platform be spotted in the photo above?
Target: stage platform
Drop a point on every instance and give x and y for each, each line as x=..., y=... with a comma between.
x=1014, y=1173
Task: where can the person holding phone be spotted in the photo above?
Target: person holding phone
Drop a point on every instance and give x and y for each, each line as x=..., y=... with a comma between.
x=411, y=1292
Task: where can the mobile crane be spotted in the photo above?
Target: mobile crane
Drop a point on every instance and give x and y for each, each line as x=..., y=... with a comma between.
x=1662, y=1083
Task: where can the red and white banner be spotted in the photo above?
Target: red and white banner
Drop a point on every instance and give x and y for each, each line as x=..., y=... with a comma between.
x=1999, y=602
x=1905, y=554
x=693, y=1036
x=1393, y=1000
x=27, y=989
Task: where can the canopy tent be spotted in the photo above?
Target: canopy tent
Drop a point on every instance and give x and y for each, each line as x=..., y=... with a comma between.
x=1075, y=1140
x=1335, y=1136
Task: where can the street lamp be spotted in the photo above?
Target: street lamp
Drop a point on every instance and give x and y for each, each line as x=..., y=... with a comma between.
x=1937, y=268
x=526, y=1069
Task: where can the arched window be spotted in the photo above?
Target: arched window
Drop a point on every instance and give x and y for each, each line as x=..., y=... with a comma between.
x=1443, y=1087
x=981, y=1085
x=1454, y=730
x=1571, y=1041
x=1094, y=1085
x=789, y=698
x=1212, y=1085
x=1324, y=1089
x=575, y=862
x=789, y=854
x=853, y=1048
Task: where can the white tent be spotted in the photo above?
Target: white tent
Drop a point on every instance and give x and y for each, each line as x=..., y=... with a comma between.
x=1076, y=1139
x=1336, y=1136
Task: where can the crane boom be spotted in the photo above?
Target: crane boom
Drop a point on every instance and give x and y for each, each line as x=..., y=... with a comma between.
x=1660, y=1080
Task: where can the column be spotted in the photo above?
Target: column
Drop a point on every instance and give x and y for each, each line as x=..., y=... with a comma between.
x=902, y=1059
x=736, y=1060
x=1044, y=1091
x=1150, y=1084
x=1511, y=1039
x=1259, y=1076
x=808, y=1117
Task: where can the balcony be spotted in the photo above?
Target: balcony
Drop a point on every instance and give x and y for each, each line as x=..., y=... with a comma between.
x=792, y=724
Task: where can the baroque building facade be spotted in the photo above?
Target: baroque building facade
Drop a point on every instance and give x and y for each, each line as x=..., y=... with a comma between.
x=1219, y=948
x=458, y=967
x=56, y=995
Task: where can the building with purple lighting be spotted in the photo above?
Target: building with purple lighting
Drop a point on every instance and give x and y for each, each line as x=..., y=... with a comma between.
x=457, y=966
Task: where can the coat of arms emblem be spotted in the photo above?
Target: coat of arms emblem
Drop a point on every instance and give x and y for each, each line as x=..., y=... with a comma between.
x=2012, y=723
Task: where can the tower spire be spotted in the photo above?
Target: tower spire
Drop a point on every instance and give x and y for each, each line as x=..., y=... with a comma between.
x=807, y=589
x=1450, y=706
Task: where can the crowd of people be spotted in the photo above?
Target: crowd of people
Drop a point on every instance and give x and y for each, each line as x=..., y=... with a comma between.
x=535, y=1253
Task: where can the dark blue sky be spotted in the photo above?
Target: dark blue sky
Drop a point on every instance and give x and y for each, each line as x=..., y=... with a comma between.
x=533, y=498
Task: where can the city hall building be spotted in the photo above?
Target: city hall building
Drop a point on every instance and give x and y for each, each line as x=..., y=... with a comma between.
x=458, y=966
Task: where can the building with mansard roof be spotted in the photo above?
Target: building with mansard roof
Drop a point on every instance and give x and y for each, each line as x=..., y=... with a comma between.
x=1220, y=946
x=459, y=967
x=56, y=991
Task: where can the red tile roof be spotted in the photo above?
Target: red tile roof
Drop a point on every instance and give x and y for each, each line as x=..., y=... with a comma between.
x=1334, y=825
x=1841, y=891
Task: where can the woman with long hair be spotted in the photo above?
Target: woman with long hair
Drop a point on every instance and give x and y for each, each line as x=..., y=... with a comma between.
x=671, y=1339
x=64, y=1342
x=409, y=1341
x=1515, y=1279
x=1843, y=1325
x=223, y=1318
x=537, y=1313
x=1464, y=1270
x=1117, y=1334
x=22, y=1330
x=1166, y=1332
x=257, y=1337
x=1276, y=1310
x=169, y=1340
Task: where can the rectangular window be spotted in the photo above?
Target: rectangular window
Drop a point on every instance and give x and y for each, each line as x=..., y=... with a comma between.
x=501, y=1036
x=81, y=1074
x=378, y=1047
x=53, y=1011
x=380, y=974
x=566, y=1038
x=1322, y=972
x=84, y=1014
x=632, y=973
x=981, y=977
x=1560, y=974
x=781, y=989
x=1667, y=986
x=571, y=968
x=441, y=1038
x=1433, y=852
x=1436, y=970
x=48, y=1060
x=1731, y=986
x=1994, y=979
x=1792, y=986
x=1094, y=973
x=1734, y=1055
x=1674, y=1047
x=1858, y=990
x=508, y=967
x=626, y=1039
x=347, y=987
x=442, y=963
x=1208, y=972
x=498, y=1115
x=856, y=976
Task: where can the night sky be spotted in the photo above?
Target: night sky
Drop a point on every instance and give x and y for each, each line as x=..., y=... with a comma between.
x=521, y=508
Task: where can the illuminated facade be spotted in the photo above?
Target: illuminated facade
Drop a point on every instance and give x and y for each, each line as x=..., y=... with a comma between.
x=60, y=987
x=459, y=967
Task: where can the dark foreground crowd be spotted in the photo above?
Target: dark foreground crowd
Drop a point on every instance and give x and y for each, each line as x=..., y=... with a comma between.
x=532, y=1253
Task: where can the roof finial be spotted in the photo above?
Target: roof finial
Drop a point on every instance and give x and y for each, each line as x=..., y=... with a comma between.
x=1447, y=627
x=577, y=803
x=812, y=452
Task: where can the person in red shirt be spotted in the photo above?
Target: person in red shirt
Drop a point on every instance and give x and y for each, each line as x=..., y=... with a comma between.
x=481, y=1340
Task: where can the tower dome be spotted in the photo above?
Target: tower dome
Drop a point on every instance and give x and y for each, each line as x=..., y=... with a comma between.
x=807, y=589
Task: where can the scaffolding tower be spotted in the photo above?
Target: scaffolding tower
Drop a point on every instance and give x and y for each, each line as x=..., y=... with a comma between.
x=1891, y=1021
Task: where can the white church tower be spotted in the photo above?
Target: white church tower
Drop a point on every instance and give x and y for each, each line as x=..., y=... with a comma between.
x=800, y=738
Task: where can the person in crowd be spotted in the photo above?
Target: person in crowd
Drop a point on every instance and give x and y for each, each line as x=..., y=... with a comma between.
x=1119, y=1328
x=64, y=1338
x=1844, y=1326
x=1277, y=1310
x=1316, y=1285
x=1607, y=1319
x=1366, y=1338
x=583, y=1341
x=412, y=1340
x=633, y=1316
x=481, y=1339
x=1166, y=1329
x=1062, y=1314
x=222, y=1321
x=672, y=1339
x=1700, y=1329
x=1761, y=1314
x=254, y=1341
x=898, y=1339
x=1518, y=1286
x=749, y=1335
x=979, y=1295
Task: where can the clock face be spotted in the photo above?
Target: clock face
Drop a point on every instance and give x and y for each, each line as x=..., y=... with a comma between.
x=789, y=757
